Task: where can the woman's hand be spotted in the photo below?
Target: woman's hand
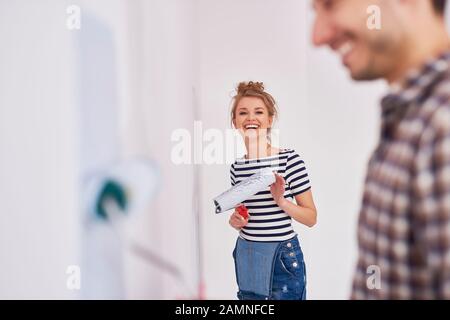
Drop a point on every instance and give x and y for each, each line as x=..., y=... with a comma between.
x=237, y=221
x=277, y=189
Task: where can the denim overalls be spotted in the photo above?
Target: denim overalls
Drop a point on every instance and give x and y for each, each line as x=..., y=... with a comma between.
x=270, y=270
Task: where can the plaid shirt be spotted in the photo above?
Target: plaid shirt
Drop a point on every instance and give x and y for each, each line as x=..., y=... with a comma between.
x=404, y=223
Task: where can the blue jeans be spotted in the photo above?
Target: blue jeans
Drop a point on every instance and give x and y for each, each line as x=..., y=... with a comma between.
x=287, y=272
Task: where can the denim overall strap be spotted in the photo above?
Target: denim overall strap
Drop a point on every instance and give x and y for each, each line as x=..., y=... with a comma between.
x=254, y=263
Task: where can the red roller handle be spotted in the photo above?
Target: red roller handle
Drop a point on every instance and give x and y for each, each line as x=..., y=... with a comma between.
x=243, y=211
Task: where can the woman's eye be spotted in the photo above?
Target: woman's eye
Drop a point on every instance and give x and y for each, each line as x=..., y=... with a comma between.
x=259, y=112
x=242, y=113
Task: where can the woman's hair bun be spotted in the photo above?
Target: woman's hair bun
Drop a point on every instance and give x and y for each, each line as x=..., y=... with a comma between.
x=243, y=87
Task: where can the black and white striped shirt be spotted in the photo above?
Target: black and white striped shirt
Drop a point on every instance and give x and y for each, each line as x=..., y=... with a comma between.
x=268, y=222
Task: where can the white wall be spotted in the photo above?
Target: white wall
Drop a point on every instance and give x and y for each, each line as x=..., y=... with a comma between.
x=43, y=159
x=162, y=77
x=155, y=69
x=329, y=120
x=39, y=226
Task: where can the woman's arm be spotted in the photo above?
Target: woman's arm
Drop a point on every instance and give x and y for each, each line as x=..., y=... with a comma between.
x=304, y=211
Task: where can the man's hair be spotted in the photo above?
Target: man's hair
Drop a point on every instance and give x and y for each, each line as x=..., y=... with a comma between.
x=439, y=6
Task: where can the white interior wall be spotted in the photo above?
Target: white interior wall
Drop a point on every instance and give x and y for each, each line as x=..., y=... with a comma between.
x=162, y=77
x=154, y=52
x=39, y=226
x=40, y=163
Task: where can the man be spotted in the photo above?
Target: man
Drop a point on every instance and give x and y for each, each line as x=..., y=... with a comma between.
x=404, y=223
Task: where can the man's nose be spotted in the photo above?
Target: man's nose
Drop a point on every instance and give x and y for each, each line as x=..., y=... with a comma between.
x=322, y=32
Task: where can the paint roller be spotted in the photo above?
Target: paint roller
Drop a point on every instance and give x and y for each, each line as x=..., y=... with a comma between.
x=244, y=190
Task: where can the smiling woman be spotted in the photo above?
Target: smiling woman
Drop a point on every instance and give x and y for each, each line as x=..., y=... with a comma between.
x=253, y=113
x=267, y=241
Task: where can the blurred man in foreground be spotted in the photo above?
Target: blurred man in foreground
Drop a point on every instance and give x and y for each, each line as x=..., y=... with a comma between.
x=404, y=223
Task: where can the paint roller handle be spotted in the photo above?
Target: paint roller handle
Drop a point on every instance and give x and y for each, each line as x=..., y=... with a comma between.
x=243, y=211
x=237, y=220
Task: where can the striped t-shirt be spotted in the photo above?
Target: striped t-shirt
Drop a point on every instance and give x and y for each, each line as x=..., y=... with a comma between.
x=268, y=222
